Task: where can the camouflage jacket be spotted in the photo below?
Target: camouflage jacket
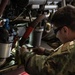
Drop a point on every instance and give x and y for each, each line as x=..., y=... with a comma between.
x=61, y=62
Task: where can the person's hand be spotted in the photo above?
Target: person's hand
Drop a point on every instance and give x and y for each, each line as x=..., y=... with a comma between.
x=23, y=49
x=39, y=50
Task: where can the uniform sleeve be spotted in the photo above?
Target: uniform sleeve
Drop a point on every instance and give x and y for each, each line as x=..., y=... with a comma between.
x=40, y=64
x=47, y=65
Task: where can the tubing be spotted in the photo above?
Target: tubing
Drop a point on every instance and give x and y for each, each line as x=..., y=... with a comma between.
x=30, y=29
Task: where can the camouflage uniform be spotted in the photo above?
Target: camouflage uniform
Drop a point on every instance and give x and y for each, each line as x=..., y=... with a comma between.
x=62, y=62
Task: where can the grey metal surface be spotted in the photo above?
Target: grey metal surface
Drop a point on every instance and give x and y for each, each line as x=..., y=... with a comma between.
x=5, y=50
x=37, y=1
x=47, y=7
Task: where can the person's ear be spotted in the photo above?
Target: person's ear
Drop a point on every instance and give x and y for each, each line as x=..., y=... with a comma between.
x=66, y=29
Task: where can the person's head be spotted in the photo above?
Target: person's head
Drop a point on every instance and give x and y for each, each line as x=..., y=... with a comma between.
x=63, y=21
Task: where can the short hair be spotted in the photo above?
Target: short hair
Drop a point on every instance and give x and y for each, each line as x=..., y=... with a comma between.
x=64, y=16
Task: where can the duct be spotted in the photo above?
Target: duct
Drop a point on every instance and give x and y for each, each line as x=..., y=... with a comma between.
x=37, y=2
x=47, y=7
x=54, y=0
x=24, y=3
x=35, y=6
